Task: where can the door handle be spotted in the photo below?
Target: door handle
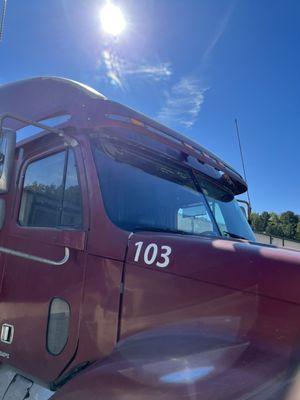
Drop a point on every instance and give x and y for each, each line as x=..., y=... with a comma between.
x=35, y=258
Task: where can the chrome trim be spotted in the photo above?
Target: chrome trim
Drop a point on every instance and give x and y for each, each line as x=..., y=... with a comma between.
x=68, y=140
x=7, y=150
x=35, y=258
x=4, y=333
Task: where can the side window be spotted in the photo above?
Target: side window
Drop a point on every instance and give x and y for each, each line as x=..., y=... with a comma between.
x=51, y=194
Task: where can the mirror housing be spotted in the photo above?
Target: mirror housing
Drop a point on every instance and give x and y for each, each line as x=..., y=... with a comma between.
x=246, y=209
x=2, y=213
x=7, y=155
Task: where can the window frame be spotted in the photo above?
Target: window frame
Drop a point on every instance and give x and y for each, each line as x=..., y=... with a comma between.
x=20, y=186
x=79, y=227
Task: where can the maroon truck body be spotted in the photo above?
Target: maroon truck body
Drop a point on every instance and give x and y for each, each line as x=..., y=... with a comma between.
x=221, y=321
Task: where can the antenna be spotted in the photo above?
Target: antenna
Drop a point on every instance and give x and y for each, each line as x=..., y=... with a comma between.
x=242, y=157
x=2, y=18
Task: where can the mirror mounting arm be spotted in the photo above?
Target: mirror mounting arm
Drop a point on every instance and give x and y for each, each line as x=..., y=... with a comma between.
x=68, y=139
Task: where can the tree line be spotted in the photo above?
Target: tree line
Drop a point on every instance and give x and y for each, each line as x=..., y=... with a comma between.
x=285, y=225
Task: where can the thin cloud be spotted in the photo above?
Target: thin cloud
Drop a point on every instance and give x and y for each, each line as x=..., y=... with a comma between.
x=183, y=103
x=219, y=32
x=117, y=70
x=113, y=68
x=156, y=72
x=184, y=100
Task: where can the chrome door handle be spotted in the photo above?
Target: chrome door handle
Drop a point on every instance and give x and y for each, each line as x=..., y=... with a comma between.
x=35, y=258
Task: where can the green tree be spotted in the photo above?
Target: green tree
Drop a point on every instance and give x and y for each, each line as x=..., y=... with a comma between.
x=256, y=222
x=285, y=225
x=265, y=217
x=274, y=230
x=298, y=231
x=289, y=221
x=289, y=217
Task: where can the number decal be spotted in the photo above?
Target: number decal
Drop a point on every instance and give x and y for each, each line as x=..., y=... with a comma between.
x=139, y=246
x=151, y=248
x=165, y=256
x=151, y=254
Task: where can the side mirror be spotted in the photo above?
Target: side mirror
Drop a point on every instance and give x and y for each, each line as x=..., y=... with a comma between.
x=7, y=155
x=2, y=213
x=246, y=209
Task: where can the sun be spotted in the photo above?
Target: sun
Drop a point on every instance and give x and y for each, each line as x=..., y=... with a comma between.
x=112, y=19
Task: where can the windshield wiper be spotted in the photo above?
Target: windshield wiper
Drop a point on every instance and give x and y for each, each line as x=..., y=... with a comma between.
x=167, y=230
x=158, y=229
x=234, y=235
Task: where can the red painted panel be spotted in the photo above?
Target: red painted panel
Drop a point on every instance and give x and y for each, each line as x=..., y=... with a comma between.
x=234, y=264
x=123, y=379
x=28, y=289
x=100, y=310
x=183, y=338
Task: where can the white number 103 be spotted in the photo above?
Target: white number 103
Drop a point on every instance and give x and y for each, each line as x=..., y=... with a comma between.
x=153, y=254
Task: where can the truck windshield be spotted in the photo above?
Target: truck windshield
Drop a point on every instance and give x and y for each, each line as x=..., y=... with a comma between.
x=145, y=191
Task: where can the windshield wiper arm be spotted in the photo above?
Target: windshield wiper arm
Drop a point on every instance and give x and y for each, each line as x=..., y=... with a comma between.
x=234, y=235
x=158, y=229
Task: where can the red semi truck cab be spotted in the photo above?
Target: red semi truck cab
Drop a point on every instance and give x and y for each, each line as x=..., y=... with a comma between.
x=127, y=268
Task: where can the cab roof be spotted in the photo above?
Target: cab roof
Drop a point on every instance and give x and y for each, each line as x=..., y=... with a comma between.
x=42, y=98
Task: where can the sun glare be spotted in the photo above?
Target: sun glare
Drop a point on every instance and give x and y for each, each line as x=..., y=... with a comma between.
x=112, y=19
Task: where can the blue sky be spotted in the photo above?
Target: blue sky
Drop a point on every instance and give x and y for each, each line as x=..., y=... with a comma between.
x=193, y=64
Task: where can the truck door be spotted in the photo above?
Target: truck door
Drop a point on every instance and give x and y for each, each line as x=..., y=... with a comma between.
x=2, y=217
x=40, y=303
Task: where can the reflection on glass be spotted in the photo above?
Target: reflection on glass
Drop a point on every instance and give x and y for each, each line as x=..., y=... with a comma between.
x=145, y=191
